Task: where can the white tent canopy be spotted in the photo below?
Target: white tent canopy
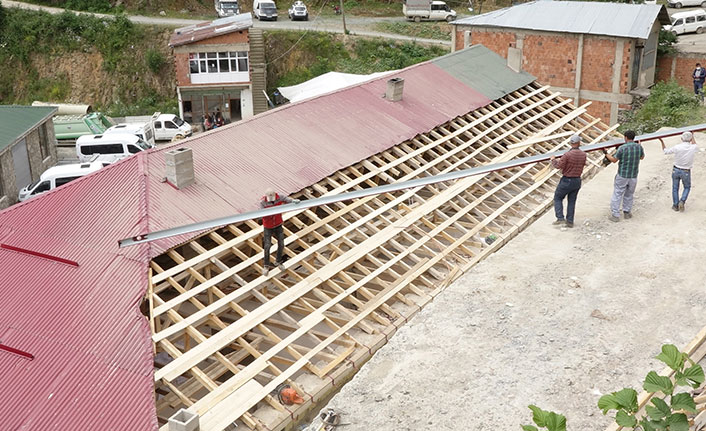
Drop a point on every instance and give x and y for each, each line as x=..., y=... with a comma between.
x=325, y=83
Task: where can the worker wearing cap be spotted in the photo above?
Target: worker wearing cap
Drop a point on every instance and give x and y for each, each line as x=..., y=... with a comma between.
x=684, y=153
x=571, y=165
x=273, y=226
x=628, y=155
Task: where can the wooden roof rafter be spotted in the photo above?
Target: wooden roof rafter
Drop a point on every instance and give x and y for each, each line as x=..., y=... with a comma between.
x=227, y=337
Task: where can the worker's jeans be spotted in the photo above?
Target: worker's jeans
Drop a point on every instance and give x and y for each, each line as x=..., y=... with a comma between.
x=623, y=193
x=698, y=90
x=568, y=188
x=684, y=176
x=278, y=232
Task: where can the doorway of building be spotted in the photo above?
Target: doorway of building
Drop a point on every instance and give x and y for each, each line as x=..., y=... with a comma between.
x=235, y=114
x=636, y=63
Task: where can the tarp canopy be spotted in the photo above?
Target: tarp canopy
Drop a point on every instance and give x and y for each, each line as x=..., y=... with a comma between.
x=325, y=83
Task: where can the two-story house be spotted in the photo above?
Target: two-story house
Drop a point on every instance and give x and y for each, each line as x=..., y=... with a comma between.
x=220, y=66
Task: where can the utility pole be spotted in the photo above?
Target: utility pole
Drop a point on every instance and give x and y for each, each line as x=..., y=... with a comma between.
x=343, y=16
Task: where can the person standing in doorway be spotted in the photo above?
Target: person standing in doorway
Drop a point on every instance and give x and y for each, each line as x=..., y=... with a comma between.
x=571, y=165
x=628, y=155
x=273, y=227
x=684, y=153
x=699, y=76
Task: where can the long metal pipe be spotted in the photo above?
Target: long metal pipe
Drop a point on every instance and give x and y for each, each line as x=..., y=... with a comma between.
x=387, y=188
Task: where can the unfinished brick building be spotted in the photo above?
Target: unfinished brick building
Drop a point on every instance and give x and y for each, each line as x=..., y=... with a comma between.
x=598, y=52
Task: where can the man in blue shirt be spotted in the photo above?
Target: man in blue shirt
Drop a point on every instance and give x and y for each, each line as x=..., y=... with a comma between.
x=628, y=155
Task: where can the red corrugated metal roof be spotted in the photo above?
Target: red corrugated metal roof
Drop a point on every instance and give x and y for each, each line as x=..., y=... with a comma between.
x=93, y=354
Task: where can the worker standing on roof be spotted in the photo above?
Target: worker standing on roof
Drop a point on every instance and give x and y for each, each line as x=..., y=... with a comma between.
x=684, y=153
x=628, y=155
x=571, y=165
x=273, y=226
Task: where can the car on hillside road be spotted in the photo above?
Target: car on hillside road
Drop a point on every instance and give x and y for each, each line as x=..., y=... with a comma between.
x=298, y=11
x=678, y=4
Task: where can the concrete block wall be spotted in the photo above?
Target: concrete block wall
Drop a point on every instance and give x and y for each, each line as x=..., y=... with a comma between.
x=679, y=67
x=580, y=66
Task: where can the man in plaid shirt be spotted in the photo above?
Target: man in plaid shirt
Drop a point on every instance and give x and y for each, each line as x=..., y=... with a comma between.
x=571, y=165
x=628, y=155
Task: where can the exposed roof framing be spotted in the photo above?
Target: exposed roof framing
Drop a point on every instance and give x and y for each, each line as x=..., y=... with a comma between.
x=226, y=336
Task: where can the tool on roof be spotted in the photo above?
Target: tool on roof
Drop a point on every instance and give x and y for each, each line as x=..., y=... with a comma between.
x=387, y=188
x=288, y=395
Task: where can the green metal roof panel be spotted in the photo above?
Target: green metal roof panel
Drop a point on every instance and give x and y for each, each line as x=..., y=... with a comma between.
x=484, y=71
x=15, y=121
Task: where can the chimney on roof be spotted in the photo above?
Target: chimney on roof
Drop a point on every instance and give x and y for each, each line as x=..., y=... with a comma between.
x=184, y=420
x=180, y=167
x=395, y=86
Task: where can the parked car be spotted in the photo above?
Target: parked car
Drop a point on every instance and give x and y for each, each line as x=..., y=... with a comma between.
x=144, y=131
x=109, y=148
x=687, y=22
x=169, y=126
x=435, y=10
x=57, y=176
x=265, y=10
x=681, y=3
x=226, y=8
x=298, y=11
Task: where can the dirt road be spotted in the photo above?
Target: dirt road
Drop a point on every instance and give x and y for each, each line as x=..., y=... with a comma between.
x=555, y=318
x=357, y=26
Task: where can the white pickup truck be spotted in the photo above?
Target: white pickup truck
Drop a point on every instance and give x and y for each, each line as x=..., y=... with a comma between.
x=428, y=10
x=166, y=126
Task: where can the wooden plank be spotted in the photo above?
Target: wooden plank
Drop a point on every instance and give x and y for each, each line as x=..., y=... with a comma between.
x=224, y=247
x=217, y=341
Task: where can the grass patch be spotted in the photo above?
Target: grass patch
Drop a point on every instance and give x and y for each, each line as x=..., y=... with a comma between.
x=669, y=105
x=423, y=30
x=317, y=53
x=129, y=54
x=146, y=105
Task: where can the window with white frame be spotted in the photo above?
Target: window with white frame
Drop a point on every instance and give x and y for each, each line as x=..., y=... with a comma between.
x=218, y=62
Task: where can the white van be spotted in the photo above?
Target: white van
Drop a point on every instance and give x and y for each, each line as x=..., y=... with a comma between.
x=168, y=126
x=57, y=176
x=109, y=148
x=264, y=10
x=687, y=22
x=144, y=131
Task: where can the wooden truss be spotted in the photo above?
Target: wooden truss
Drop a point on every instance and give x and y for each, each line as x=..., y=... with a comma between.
x=226, y=337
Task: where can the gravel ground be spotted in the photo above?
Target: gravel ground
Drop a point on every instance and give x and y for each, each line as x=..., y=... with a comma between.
x=556, y=318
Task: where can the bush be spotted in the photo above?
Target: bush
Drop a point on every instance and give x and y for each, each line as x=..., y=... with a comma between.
x=667, y=39
x=669, y=105
x=155, y=60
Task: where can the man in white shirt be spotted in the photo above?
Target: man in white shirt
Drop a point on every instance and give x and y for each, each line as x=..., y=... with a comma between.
x=684, y=153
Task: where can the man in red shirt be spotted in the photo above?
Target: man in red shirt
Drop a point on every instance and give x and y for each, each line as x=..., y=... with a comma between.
x=571, y=165
x=273, y=226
